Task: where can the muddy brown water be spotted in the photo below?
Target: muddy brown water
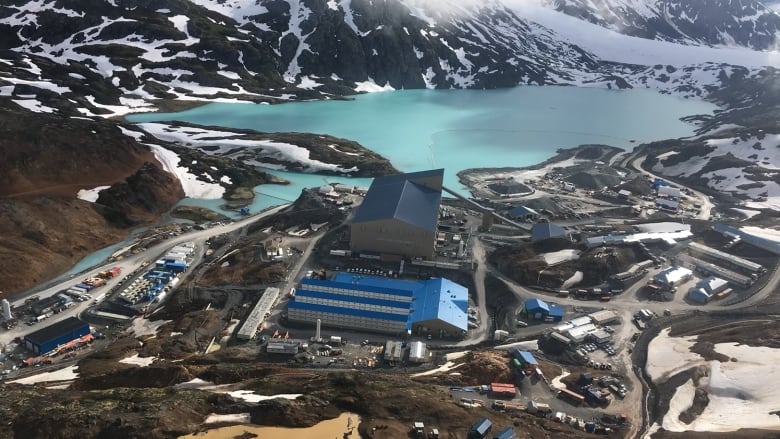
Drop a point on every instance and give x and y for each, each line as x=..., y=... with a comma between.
x=332, y=428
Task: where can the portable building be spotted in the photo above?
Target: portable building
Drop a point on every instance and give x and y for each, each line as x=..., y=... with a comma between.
x=418, y=352
x=699, y=295
x=481, y=429
x=507, y=433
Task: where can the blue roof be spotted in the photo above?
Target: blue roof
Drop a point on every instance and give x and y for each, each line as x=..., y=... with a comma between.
x=522, y=211
x=405, y=197
x=353, y=299
x=348, y=281
x=555, y=311
x=347, y=311
x=526, y=357
x=444, y=300
x=507, y=433
x=535, y=305
x=542, y=231
x=432, y=299
x=482, y=426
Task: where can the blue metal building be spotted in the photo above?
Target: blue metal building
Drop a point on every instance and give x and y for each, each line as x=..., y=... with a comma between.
x=507, y=433
x=46, y=339
x=435, y=306
x=538, y=309
x=481, y=429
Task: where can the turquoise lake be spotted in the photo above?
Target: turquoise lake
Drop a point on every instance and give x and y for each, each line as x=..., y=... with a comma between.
x=457, y=129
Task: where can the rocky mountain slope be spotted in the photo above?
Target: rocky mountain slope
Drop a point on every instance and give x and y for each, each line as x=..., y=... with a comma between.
x=75, y=64
x=110, y=57
x=745, y=23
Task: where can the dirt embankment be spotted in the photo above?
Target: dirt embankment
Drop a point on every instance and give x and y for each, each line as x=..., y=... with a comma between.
x=47, y=159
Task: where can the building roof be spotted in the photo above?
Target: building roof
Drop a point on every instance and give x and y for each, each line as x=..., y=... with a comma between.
x=410, y=198
x=699, y=295
x=346, y=310
x=432, y=299
x=624, y=192
x=603, y=316
x=672, y=275
x=507, y=433
x=482, y=426
x=522, y=211
x=556, y=311
x=55, y=330
x=669, y=191
x=441, y=299
x=669, y=204
x=536, y=305
x=663, y=227
x=542, y=231
x=752, y=237
x=526, y=357
x=712, y=284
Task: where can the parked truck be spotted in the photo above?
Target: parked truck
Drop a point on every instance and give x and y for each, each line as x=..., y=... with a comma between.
x=99, y=298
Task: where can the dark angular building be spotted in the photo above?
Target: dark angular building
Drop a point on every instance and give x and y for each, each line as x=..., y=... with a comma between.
x=45, y=340
x=399, y=215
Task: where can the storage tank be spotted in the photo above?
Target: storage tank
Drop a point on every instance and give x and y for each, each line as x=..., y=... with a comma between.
x=7, y=310
x=418, y=352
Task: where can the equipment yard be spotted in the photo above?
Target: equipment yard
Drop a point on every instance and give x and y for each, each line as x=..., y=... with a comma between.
x=540, y=319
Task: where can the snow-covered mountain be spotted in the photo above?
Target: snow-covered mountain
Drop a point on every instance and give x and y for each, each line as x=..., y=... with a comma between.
x=108, y=57
x=745, y=23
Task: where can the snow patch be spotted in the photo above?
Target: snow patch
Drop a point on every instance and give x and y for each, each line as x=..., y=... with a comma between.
x=141, y=327
x=138, y=361
x=370, y=86
x=193, y=187
x=91, y=195
x=68, y=373
x=250, y=396
x=238, y=418
x=667, y=356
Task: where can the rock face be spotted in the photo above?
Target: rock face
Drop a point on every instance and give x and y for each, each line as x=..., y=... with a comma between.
x=143, y=195
x=709, y=22
x=108, y=57
x=47, y=159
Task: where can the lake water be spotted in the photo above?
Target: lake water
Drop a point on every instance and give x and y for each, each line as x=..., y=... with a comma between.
x=461, y=129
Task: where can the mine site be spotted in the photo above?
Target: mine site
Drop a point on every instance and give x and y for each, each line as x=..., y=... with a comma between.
x=580, y=297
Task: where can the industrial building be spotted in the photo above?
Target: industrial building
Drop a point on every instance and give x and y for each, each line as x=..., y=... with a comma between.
x=696, y=249
x=665, y=204
x=698, y=295
x=47, y=339
x=507, y=433
x=283, y=346
x=669, y=192
x=538, y=309
x=545, y=231
x=481, y=429
x=748, y=236
x=707, y=288
x=399, y=215
x=258, y=314
x=435, y=306
x=525, y=359
x=604, y=317
x=394, y=351
x=673, y=276
x=523, y=213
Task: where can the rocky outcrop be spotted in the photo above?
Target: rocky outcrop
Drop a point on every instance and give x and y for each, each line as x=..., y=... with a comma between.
x=141, y=197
